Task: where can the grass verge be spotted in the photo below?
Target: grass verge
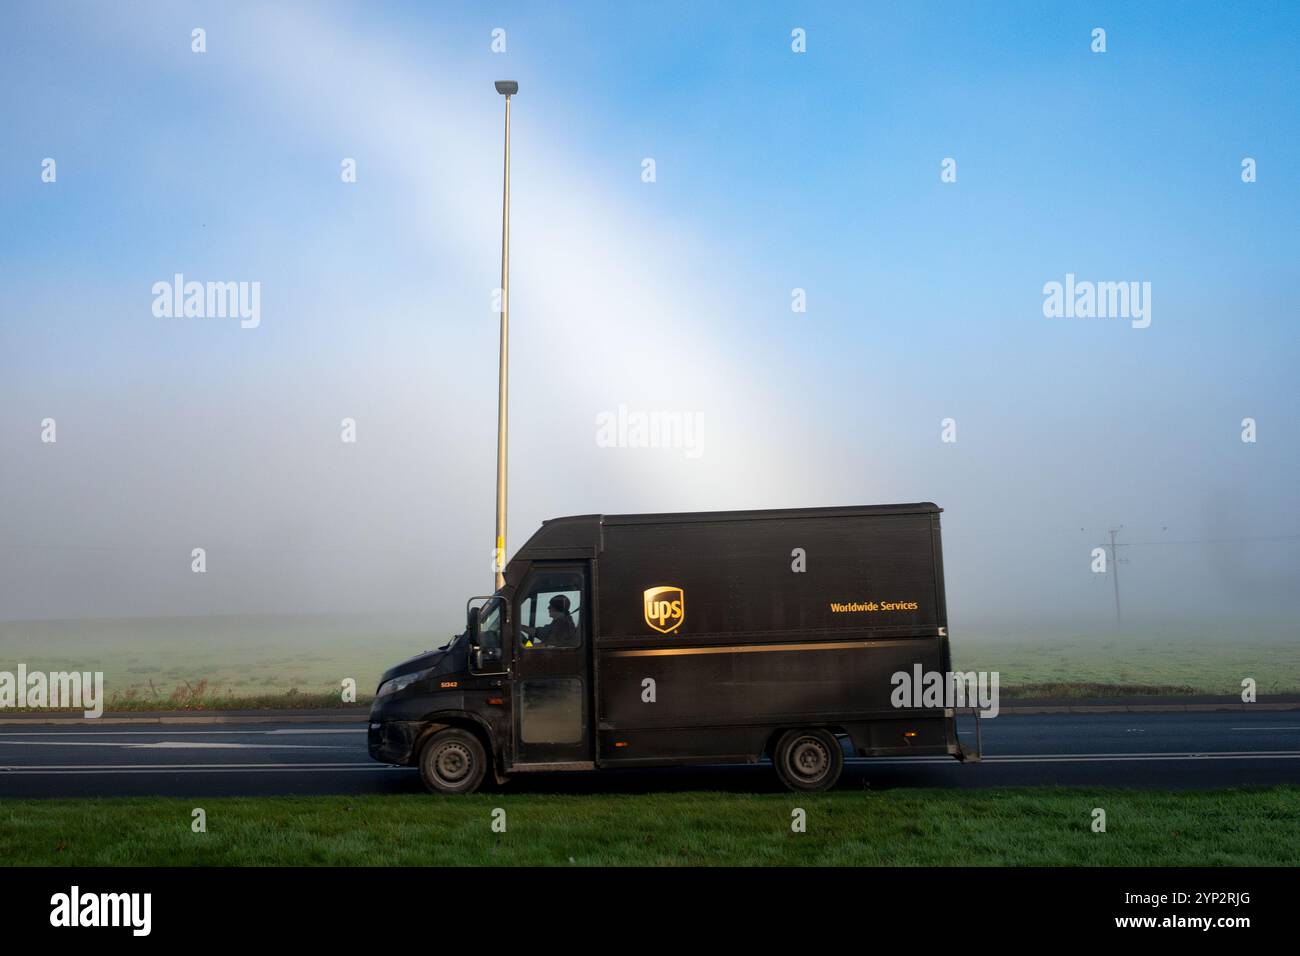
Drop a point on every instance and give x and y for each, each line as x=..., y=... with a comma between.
x=1007, y=827
x=1083, y=691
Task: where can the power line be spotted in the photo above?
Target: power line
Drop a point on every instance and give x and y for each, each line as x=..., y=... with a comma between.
x=1269, y=537
x=1115, y=560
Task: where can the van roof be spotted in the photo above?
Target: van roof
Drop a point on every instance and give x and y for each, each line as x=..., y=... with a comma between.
x=920, y=507
x=575, y=536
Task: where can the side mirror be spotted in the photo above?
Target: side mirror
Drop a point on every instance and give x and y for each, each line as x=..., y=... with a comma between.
x=472, y=626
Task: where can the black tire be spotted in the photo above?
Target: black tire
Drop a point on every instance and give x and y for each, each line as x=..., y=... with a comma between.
x=453, y=761
x=808, y=761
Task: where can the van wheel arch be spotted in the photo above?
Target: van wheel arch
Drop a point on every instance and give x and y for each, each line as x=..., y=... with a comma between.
x=769, y=748
x=460, y=722
x=453, y=762
x=807, y=759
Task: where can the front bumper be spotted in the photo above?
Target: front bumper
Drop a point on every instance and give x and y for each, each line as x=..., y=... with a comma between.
x=393, y=741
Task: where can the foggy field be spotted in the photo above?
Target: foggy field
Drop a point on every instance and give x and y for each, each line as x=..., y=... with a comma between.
x=237, y=656
x=166, y=660
x=1012, y=827
x=1200, y=663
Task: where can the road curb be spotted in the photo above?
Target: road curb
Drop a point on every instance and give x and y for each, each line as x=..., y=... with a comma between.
x=1028, y=709
x=357, y=717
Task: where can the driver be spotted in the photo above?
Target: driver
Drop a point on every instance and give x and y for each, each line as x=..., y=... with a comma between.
x=561, y=631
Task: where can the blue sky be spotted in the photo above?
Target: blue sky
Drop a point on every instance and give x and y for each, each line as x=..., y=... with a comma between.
x=775, y=171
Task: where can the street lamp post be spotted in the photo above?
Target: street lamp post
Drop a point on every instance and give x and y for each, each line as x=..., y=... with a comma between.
x=506, y=88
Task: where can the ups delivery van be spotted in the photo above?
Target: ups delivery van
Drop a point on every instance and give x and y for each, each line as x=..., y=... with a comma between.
x=668, y=639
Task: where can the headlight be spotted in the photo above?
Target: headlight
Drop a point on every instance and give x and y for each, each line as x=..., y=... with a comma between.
x=398, y=683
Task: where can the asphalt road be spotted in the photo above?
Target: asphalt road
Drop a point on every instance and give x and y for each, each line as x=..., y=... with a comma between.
x=1160, y=750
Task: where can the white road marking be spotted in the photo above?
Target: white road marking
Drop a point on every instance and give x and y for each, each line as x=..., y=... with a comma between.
x=1088, y=758
x=1293, y=727
x=74, y=770
x=214, y=745
x=173, y=733
x=166, y=745
x=323, y=730
x=1156, y=753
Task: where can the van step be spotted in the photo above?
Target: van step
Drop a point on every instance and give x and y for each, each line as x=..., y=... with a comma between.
x=563, y=765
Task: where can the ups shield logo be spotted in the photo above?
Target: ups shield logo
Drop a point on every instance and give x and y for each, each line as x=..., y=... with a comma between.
x=665, y=608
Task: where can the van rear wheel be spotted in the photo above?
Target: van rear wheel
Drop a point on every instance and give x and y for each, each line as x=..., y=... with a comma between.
x=453, y=761
x=808, y=760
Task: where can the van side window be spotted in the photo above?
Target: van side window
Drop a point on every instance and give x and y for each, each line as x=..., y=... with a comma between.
x=489, y=628
x=550, y=614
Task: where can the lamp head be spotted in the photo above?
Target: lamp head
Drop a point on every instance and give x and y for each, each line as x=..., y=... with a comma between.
x=507, y=87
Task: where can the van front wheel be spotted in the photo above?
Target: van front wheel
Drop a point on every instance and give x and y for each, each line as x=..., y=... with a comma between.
x=808, y=760
x=453, y=761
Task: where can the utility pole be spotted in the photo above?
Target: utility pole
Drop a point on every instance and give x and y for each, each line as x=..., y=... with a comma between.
x=506, y=88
